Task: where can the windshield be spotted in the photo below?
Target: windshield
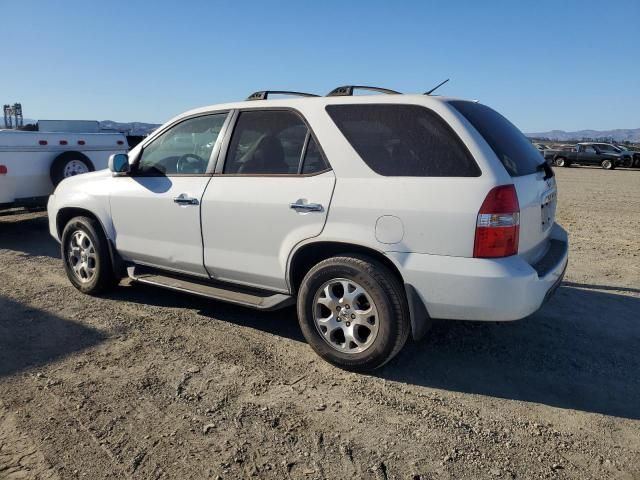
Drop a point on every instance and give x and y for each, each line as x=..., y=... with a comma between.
x=512, y=148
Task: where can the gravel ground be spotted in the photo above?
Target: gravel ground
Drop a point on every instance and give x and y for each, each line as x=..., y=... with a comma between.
x=145, y=383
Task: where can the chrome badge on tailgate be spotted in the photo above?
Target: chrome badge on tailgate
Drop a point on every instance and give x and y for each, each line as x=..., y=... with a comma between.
x=548, y=208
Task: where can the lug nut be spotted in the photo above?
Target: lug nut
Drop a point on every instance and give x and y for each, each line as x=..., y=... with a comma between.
x=347, y=307
x=353, y=316
x=348, y=324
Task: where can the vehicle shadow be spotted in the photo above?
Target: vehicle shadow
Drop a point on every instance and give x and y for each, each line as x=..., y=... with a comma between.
x=28, y=233
x=579, y=352
x=282, y=323
x=30, y=337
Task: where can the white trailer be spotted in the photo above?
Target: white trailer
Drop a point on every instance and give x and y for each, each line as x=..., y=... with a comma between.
x=33, y=163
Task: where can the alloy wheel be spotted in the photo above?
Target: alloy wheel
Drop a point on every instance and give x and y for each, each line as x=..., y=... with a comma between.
x=346, y=316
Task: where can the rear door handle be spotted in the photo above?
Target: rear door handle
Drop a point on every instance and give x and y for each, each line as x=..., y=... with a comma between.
x=306, y=207
x=184, y=199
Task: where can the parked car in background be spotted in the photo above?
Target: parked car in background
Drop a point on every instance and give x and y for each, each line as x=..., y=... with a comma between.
x=33, y=163
x=374, y=214
x=586, y=153
x=540, y=146
x=630, y=158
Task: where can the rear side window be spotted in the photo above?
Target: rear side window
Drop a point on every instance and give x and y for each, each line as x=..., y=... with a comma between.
x=266, y=142
x=514, y=150
x=403, y=140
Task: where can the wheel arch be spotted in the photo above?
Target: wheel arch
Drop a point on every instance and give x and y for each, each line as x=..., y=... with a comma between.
x=309, y=254
x=65, y=214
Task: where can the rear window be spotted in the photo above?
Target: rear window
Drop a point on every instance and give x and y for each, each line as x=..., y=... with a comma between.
x=403, y=140
x=514, y=150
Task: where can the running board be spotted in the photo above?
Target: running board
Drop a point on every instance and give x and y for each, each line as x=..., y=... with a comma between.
x=238, y=295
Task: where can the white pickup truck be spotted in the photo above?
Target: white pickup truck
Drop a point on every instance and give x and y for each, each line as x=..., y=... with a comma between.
x=32, y=163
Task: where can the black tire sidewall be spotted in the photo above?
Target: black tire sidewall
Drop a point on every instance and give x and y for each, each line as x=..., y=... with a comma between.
x=389, y=315
x=103, y=277
x=57, y=167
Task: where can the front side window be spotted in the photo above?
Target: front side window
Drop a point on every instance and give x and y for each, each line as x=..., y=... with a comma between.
x=589, y=149
x=269, y=142
x=403, y=140
x=183, y=149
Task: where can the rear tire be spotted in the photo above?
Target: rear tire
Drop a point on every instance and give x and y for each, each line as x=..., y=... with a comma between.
x=353, y=312
x=607, y=164
x=85, y=254
x=69, y=164
x=561, y=162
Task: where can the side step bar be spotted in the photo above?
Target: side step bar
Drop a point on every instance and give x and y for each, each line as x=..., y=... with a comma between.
x=238, y=295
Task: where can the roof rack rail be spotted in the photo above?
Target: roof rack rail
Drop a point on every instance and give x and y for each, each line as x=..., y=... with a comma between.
x=264, y=94
x=347, y=90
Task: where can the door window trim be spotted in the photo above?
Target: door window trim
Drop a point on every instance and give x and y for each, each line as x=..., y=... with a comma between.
x=224, y=150
x=213, y=158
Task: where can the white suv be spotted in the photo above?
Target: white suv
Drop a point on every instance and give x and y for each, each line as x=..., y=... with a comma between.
x=374, y=213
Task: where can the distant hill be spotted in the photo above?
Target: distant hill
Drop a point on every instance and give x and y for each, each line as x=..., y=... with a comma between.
x=619, y=135
x=130, y=128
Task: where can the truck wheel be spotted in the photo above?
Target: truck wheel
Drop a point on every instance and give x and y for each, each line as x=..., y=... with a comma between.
x=560, y=162
x=86, y=258
x=607, y=164
x=353, y=312
x=69, y=164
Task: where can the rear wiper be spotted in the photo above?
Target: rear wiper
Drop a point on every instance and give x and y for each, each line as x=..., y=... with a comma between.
x=548, y=171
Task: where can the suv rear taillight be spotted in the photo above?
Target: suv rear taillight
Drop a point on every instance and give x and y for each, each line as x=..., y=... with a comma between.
x=3, y=170
x=498, y=224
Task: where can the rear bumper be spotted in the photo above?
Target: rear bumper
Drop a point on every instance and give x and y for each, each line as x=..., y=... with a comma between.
x=502, y=289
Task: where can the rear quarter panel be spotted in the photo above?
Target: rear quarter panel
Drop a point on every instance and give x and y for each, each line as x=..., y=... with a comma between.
x=438, y=214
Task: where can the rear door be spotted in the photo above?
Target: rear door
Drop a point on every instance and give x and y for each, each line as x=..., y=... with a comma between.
x=272, y=191
x=534, y=182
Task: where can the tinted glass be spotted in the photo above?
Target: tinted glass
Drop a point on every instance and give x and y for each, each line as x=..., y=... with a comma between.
x=183, y=149
x=266, y=142
x=313, y=160
x=403, y=140
x=510, y=145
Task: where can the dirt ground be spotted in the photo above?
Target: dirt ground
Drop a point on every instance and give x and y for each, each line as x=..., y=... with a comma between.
x=145, y=383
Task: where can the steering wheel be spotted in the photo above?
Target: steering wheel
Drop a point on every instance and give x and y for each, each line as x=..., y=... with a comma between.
x=191, y=163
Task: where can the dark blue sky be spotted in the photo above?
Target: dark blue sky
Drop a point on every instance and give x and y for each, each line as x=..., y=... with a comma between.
x=544, y=64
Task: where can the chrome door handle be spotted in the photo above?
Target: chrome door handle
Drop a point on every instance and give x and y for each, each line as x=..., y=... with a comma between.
x=184, y=199
x=306, y=207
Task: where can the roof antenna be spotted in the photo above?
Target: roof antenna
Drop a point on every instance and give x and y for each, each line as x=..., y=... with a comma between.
x=436, y=87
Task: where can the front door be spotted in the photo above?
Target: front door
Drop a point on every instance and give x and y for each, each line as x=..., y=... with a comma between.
x=156, y=209
x=272, y=193
x=588, y=155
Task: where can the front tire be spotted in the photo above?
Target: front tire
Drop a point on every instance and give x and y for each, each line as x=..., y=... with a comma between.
x=86, y=258
x=353, y=312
